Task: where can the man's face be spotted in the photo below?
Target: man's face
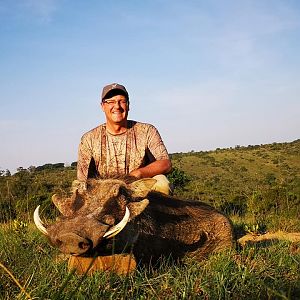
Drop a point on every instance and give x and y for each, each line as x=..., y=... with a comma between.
x=116, y=109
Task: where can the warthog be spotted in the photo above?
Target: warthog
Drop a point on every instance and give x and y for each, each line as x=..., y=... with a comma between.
x=147, y=222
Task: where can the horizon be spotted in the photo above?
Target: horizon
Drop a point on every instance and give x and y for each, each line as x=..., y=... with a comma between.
x=68, y=164
x=207, y=75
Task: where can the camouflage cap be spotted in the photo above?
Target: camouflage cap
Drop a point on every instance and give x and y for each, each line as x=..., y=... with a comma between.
x=113, y=89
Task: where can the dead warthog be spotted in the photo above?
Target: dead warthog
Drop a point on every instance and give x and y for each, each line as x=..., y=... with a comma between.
x=147, y=222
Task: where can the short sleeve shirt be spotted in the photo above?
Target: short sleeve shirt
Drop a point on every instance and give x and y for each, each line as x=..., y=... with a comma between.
x=103, y=154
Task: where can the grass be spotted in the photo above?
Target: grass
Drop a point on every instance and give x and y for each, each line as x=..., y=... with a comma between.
x=255, y=272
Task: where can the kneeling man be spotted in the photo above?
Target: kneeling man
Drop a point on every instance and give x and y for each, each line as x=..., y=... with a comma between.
x=121, y=146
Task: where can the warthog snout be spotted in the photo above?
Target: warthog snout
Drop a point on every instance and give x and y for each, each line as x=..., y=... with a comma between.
x=72, y=243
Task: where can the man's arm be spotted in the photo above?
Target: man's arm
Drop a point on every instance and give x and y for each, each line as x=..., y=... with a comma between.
x=84, y=159
x=161, y=163
x=157, y=167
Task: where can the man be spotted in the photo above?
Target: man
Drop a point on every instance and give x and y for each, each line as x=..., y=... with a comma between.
x=121, y=146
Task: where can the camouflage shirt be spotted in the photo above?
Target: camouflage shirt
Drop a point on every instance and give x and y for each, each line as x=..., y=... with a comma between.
x=103, y=154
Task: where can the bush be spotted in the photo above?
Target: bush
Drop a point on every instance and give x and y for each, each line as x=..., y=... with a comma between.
x=178, y=178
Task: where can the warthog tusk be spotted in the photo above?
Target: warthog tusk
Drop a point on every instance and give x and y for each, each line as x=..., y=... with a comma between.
x=117, y=228
x=38, y=222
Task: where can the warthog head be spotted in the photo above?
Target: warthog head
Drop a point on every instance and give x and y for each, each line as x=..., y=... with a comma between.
x=98, y=213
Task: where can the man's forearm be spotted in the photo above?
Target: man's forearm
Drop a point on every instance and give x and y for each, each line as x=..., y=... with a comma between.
x=157, y=167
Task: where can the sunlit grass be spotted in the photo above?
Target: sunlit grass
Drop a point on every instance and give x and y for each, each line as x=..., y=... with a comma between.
x=253, y=272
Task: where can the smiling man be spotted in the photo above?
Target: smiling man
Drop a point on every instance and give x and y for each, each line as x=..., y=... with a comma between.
x=121, y=146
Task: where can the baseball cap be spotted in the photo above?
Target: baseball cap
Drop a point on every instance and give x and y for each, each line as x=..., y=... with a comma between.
x=113, y=89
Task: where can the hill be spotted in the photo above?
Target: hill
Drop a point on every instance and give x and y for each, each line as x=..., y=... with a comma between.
x=257, y=181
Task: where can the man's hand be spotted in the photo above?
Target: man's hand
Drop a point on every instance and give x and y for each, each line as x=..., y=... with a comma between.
x=136, y=173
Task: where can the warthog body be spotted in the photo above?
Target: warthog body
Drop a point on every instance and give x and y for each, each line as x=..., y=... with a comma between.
x=154, y=224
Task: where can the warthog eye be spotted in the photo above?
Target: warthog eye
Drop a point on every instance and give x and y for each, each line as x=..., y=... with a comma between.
x=108, y=219
x=83, y=245
x=58, y=242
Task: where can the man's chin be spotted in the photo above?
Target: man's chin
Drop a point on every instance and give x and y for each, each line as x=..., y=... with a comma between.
x=119, y=122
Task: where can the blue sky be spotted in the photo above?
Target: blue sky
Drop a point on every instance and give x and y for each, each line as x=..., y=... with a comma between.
x=207, y=74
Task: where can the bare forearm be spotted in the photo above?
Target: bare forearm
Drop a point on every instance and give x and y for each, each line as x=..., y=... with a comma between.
x=157, y=167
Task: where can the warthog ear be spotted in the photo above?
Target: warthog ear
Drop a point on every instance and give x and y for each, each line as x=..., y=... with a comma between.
x=141, y=187
x=137, y=208
x=68, y=206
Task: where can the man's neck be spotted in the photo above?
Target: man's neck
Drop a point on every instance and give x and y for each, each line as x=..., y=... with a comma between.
x=114, y=128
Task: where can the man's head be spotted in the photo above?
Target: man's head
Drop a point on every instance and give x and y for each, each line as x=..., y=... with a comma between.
x=115, y=103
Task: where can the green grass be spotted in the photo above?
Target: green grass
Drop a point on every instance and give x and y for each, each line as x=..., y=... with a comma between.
x=268, y=271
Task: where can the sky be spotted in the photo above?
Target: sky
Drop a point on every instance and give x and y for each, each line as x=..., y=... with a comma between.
x=208, y=74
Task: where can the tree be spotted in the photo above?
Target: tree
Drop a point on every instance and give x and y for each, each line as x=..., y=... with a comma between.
x=31, y=169
x=7, y=173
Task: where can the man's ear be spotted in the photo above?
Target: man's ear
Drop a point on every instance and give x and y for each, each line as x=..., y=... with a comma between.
x=102, y=105
x=141, y=187
x=137, y=208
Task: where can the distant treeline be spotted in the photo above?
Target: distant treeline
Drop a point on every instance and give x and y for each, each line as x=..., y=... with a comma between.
x=54, y=166
x=40, y=168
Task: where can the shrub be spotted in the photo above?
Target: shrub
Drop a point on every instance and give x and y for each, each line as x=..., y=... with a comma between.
x=178, y=178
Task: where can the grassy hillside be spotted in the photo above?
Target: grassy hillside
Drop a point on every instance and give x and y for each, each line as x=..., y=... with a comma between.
x=254, y=182
x=243, y=169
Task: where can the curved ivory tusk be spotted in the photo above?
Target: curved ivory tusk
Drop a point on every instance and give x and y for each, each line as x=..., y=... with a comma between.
x=117, y=228
x=38, y=222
